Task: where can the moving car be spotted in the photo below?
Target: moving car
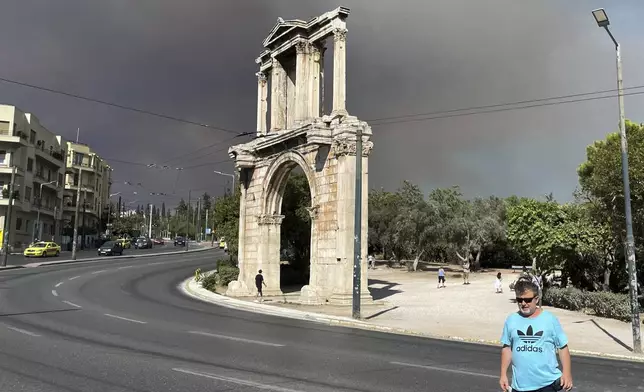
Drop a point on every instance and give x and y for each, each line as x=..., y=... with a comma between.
x=222, y=243
x=179, y=241
x=143, y=243
x=110, y=248
x=42, y=249
x=158, y=241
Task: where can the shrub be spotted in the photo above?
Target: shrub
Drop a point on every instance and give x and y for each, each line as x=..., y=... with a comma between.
x=226, y=274
x=209, y=282
x=599, y=303
x=225, y=262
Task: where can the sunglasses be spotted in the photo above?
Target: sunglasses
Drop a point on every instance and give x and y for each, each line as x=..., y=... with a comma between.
x=526, y=300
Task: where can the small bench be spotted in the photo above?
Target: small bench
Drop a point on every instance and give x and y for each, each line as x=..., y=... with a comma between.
x=520, y=268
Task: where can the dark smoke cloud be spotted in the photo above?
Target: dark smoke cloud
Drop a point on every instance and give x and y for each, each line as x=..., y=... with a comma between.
x=194, y=59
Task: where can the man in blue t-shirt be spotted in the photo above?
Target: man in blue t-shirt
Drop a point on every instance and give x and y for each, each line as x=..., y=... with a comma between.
x=530, y=340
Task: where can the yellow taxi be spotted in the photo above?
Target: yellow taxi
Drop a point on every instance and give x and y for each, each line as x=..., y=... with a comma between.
x=42, y=249
x=222, y=242
x=124, y=242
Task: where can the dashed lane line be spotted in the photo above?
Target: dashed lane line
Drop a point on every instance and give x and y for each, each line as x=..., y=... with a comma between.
x=212, y=335
x=59, y=284
x=125, y=318
x=235, y=381
x=98, y=272
x=75, y=277
x=441, y=369
x=54, y=293
x=72, y=304
x=23, y=331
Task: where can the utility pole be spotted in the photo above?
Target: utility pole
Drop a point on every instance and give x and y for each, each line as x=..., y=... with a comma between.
x=357, y=247
x=206, y=238
x=188, y=220
x=150, y=228
x=78, y=191
x=602, y=21
x=199, y=219
x=7, y=221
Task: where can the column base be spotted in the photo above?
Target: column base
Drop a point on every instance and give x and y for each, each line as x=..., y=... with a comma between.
x=310, y=296
x=346, y=299
x=237, y=288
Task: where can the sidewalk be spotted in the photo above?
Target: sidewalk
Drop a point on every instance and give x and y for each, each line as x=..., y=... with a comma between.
x=410, y=303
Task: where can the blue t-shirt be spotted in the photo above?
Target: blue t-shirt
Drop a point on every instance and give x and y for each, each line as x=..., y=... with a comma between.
x=534, y=342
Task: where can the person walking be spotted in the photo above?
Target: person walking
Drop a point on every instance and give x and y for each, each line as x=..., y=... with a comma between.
x=498, y=286
x=441, y=277
x=531, y=338
x=259, y=281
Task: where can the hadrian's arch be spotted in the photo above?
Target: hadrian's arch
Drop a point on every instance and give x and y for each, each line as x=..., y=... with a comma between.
x=322, y=144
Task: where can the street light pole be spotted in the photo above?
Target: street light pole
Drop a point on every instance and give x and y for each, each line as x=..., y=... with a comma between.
x=229, y=175
x=7, y=221
x=150, y=227
x=78, y=191
x=602, y=21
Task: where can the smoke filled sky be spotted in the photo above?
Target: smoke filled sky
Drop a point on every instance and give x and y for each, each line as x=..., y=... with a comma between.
x=194, y=59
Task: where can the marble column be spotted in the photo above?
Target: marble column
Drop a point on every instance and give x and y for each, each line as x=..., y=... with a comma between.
x=314, y=80
x=302, y=83
x=339, y=71
x=262, y=105
x=269, y=257
x=278, y=96
x=322, y=108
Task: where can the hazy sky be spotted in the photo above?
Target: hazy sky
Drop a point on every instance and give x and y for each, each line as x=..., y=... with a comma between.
x=194, y=59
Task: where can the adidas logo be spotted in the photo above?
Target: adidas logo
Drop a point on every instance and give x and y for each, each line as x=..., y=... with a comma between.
x=529, y=336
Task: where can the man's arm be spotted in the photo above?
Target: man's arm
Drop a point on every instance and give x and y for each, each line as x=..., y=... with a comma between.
x=566, y=370
x=506, y=359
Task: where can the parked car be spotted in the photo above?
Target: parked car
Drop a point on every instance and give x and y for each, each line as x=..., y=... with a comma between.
x=110, y=248
x=143, y=243
x=42, y=249
x=158, y=241
x=179, y=241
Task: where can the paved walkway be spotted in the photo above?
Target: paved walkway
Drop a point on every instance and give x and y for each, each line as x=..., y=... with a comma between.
x=410, y=302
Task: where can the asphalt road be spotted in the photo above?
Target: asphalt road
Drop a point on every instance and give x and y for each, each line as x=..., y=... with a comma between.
x=122, y=325
x=89, y=253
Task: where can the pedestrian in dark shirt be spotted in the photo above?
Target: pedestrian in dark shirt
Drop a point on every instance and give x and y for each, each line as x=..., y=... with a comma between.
x=259, y=281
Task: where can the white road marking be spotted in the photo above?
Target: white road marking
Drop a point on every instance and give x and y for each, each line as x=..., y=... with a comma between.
x=212, y=335
x=55, y=293
x=23, y=331
x=127, y=266
x=236, y=381
x=98, y=272
x=72, y=304
x=440, y=369
x=157, y=263
x=126, y=319
x=75, y=277
x=58, y=284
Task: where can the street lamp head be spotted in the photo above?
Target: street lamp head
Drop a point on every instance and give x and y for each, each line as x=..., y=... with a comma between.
x=601, y=17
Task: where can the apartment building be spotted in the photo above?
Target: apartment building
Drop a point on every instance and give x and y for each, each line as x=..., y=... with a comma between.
x=88, y=173
x=38, y=158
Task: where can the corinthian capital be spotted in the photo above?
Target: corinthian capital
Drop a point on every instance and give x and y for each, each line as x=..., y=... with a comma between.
x=261, y=77
x=340, y=34
x=302, y=47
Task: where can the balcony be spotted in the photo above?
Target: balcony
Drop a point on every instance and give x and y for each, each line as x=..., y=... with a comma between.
x=84, y=187
x=39, y=177
x=46, y=209
x=71, y=208
x=6, y=169
x=75, y=166
x=8, y=136
x=52, y=156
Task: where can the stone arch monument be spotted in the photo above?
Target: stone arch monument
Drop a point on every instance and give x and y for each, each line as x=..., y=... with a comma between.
x=322, y=145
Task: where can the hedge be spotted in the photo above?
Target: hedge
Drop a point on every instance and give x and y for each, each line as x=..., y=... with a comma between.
x=599, y=303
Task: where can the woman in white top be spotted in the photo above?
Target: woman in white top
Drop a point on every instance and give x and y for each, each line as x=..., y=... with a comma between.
x=497, y=284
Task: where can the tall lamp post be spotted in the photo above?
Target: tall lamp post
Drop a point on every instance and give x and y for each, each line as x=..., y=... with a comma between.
x=229, y=175
x=109, y=209
x=602, y=21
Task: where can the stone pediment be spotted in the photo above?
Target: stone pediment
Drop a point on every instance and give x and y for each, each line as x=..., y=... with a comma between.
x=290, y=28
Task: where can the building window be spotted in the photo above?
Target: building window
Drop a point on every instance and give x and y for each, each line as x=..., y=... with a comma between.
x=75, y=179
x=27, y=193
x=60, y=179
x=4, y=127
x=32, y=136
x=48, y=175
x=3, y=157
x=30, y=165
x=18, y=223
x=78, y=158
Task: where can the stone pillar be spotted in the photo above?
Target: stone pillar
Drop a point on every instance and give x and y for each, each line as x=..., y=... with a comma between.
x=278, y=96
x=322, y=108
x=262, y=107
x=339, y=71
x=269, y=257
x=314, y=80
x=302, y=83
x=310, y=295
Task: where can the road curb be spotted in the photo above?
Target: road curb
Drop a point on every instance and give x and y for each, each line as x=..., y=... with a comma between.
x=11, y=267
x=52, y=263
x=193, y=289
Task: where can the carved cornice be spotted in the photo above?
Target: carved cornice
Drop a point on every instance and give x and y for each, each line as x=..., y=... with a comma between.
x=346, y=146
x=339, y=35
x=270, y=219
